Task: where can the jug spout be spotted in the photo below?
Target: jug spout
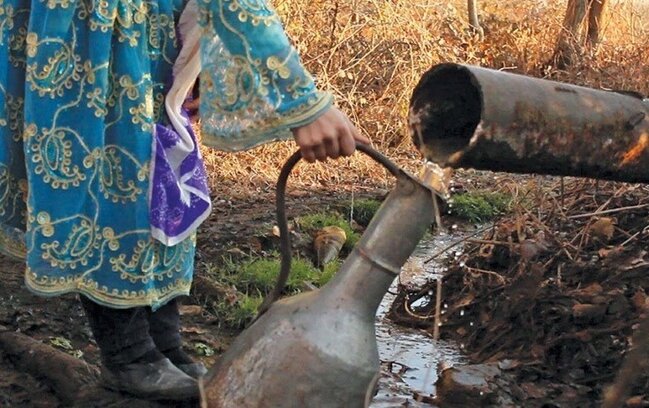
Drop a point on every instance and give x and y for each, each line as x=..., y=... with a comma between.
x=318, y=349
x=388, y=241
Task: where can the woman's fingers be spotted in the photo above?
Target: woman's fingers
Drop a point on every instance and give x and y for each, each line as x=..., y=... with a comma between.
x=320, y=152
x=347, y=144
x=331, y=135
x=332, y=147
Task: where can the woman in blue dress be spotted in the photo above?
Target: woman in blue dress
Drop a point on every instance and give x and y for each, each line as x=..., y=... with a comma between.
x=102, y=185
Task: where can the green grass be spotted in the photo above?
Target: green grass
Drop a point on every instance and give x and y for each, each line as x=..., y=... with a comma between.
x=260, y=275
x=364, y=210
x=480, y=206
x=238, y=314
x=313, y=222
x=257, y=277
x=330, y=270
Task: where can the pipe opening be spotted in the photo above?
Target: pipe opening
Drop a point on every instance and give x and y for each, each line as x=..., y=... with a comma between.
x=445, y=110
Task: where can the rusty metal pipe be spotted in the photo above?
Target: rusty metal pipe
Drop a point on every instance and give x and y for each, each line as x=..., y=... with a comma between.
x=466, y=116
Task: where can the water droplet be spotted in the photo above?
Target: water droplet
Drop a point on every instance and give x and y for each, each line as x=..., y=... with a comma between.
x=471, y=324
x=462, y=312
x=445, y=305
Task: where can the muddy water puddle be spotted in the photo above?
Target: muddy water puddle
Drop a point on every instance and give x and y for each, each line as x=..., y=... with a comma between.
x=411, y=358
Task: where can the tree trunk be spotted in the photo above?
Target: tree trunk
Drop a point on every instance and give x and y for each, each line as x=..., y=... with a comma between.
x=474, y=22
x=568, y=44
x=595, y=22
x=73, y=381
x=581, y=28
x=64, y=373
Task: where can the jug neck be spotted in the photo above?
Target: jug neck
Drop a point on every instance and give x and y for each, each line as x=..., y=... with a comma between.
x=393, y=234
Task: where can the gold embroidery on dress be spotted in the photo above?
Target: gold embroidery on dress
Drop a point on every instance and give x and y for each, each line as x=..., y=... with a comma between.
x=62, y=69
x=145, y=262
x=77, y=244
x=7, y=14
x=5, y=96
x=52, y=154
x=16, y=116
x=113, y=182
x=102, y=294
x=10, y=193
x=160, y=32
x=243, y=93
x=17, y=44
x=254, y=11
x=97, y=101
x=52, y=4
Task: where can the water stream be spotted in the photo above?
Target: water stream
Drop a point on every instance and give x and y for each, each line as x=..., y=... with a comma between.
x=415, y=356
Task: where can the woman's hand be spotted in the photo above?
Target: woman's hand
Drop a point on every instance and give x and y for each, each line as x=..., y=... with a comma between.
x=331, y=135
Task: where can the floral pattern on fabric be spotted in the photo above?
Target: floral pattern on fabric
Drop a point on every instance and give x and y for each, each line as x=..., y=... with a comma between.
x=82, y=87
x=253, y=87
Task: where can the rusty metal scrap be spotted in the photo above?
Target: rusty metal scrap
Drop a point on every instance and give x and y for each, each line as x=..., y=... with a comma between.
x=466, y=116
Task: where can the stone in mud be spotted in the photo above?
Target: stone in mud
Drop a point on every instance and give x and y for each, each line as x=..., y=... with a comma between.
x=637, y=401
x=470, y=386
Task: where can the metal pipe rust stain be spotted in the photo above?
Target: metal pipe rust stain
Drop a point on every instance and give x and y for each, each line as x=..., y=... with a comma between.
x=466, y=116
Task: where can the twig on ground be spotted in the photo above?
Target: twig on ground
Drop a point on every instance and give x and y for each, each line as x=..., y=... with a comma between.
x=499, y=277
x=611, y=211
x=456, y=243
x=438, y=307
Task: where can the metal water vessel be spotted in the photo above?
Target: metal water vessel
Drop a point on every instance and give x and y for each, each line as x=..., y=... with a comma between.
x=318, y=349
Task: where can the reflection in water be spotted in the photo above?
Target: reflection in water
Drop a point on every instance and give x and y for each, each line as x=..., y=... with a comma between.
x=415, y=355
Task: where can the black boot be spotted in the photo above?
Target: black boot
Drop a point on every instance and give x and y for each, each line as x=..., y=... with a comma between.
x=164, y=327
x=131, y=361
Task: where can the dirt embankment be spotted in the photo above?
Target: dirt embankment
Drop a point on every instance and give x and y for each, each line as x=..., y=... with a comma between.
x=555, y=290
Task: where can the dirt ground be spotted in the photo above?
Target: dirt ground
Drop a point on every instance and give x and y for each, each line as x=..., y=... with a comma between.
x=555, y=289
x=552, y=296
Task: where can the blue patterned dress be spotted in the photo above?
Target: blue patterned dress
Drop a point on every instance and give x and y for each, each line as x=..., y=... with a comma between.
x=102, y=185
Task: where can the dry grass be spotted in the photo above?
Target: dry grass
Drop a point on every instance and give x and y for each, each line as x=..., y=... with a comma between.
x=371, y=53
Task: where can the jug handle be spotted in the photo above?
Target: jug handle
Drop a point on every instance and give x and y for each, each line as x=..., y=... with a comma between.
x=282, y=223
